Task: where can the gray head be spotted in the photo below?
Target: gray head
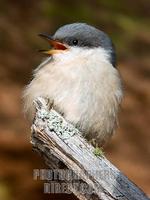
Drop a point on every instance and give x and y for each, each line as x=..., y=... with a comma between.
x=86, y=36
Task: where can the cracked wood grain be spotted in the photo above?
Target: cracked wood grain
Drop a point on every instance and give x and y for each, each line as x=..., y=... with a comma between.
x=60, y=143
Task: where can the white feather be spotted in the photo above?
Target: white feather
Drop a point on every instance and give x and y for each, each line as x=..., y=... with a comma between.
x=84, y=86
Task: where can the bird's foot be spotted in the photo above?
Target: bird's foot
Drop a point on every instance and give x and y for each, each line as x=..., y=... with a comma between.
x=49, y=103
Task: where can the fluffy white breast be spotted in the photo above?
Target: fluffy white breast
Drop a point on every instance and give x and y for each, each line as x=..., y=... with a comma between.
x=84, y=86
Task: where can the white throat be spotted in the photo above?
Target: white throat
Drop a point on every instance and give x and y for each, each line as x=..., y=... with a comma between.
x=73, y=54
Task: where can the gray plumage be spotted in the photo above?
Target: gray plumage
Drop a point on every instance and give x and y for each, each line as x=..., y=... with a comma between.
x=87, y=36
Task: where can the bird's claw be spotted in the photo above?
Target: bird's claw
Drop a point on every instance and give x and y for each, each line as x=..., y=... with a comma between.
x=49, y=103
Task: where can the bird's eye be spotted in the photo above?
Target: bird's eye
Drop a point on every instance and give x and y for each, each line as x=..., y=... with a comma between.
x=75, y=42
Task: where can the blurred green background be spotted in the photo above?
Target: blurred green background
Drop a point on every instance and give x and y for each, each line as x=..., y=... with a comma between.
x=128, y=24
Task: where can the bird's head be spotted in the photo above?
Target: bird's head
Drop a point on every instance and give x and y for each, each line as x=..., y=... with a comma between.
x=81, y=37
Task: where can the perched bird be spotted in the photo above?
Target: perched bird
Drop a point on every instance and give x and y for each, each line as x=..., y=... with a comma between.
x=81, y=78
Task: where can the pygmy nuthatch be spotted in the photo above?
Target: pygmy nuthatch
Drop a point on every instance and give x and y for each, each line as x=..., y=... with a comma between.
x=81, y=78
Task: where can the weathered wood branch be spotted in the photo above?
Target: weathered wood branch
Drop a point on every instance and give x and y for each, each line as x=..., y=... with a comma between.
x=60, y=142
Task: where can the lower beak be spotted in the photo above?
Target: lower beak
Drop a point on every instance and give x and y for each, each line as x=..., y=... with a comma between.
x=57, y=46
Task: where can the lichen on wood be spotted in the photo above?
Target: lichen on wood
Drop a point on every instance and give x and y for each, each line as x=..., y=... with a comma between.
x=59, y=142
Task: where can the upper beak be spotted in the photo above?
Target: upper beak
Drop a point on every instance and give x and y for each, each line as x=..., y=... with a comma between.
x=57, y=46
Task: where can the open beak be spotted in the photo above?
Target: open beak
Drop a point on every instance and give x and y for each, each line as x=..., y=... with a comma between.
x=57, y=46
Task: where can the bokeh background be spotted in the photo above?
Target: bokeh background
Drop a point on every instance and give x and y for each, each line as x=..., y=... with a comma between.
x=127, y=22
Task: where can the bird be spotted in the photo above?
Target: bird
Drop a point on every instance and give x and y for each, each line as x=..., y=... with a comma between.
x=80, y=76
